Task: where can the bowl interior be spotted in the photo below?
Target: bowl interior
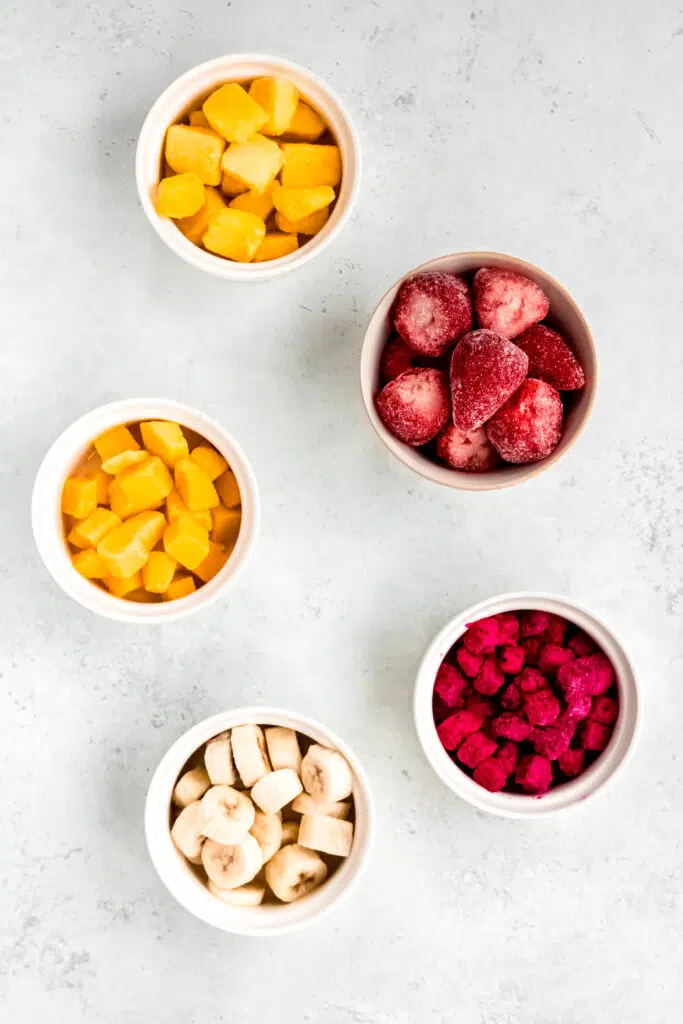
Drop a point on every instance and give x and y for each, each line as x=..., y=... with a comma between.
x=564, y=315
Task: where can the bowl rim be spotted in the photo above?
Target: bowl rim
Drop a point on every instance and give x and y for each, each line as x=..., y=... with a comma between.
x=433, y=471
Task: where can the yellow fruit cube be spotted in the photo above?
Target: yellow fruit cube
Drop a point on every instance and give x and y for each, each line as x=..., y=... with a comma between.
x=211, y=461
x=186, y=541
x=180, y=196
x=233, y=113
x=102, y=484
x=149, y=527
x=231, y=185
x=254, y=162
x=89, y=564
x=181, y=586
x=296, y=203
x=195, y=149
x=79, y=496
x=143, y=597
x=175, y=506
x=165, y=439
x=279, y=98
x=120, y=588
x=198, y=119
x=310, y=225
x=275, y=245
x=89, y=532
x=235, y=235
x=260, y=203
x=213, y=563
x=123, y=551
x=194, y=227
x=140, y=487
x=195, y=486
x=125, y=460
x=307, y=165
x=158, y=572
x=306, y=123
x=226, y=526
x=228, y=491
x=114, y=441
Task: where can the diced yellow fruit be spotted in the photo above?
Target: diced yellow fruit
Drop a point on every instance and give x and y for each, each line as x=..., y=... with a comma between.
x=140, y=487
x=211, y=461
x=198, y=119
x=123, y=551
x=180, y=196
x=114, y=441
x=226, y=526
x=195, y=486
x=186, y=541
x=228, y=491
x=181, y=586
x=307, y=165
x=149, y=527
x=89, y=532
x=143, y=597
x=233, y=113
x=165, y=439
x=279, y=98
x=79, y=496
x=175, y=506
x=121, y=588
x=260, y=203
x=310, y=225
x=213, y=563
x=194, y=227
x=254, y=162
x=235, y=235
x=296, y=203
x=158, y=572
x=275, y=245
x=125, y=460
x=89, y=564
x=195, y=149
x=306, y=123
x=231, y=185
x=102, y=484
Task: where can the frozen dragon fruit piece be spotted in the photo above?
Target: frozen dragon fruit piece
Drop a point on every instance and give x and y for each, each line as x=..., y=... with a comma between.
x=542, y=707
x=557, y=627
x=510, y=658
x=592, y=735
x=395, y=360
x=551, y=359
x=490, y=679
x=491, y=774
x=469, y=663
x=507, y=302
x=467, y=450
x=450, y=686
x=591, y=675
x=533, y=623
x=454, y=729
x=486, y=369
x=530, y=680
x=552, y=657
x=534, y=774
x=475, y=748
x=531, y=645
x=415, y=406
x=581, y=644
x=604, y=710
x=571, y=762
x=510, y=697
x=432, y=312
x=528, y=426
x=552, y=740
x=511, y=726
x=508, y=625
x=507, y=755
x=482, y=636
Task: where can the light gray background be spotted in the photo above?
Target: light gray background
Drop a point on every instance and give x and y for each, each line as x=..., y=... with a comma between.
x=550, y=130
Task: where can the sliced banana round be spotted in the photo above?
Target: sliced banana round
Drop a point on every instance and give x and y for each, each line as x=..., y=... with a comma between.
x=250, y=895
x=290, y=833
x=295, y=871
x=326, y=774
x=249, y=752
x=328, y=835
x=231, y=865
x=267, y=831
x=283, y=748
x=190, y=787
x=225, y=815
x=305, y=804
x=186, y=833
x=218, y=761
x=276, y=789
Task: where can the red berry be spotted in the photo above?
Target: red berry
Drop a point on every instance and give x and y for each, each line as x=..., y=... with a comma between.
x=551, y=359
x=507, y=302
x=432, y=312
x=529, y=426
x=396, y=359
x=471, y=451
x=415, y=406
x=486, y=369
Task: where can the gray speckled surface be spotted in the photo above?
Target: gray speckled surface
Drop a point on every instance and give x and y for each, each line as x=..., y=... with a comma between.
x=545, y=129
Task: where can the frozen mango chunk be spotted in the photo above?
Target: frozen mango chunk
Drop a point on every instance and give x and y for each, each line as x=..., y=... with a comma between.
x=140, y=487
x=180, y=196
x=194, y=227
x=235, y=235
x=198, y=119
x=158, y=571
x=89, y=532
x=149, y=527
x=306, y=124
x=102, y=484
x=89, y=564
x=254, y=162
x=296, y=203
x=278, y=97
x=195, y=149
x=165, y=439
x=306, y=165
x=79, y=496
x=233, y=113
x=213, y=563
x=310, y=225
x=211, y=461
x=123, y=552
x=275, y=245
x=186, y=541
x=121, y=588
x=117, y=463
x=228, y=491
x=231, y=185
x=181, y=586
x=114, y=441
x=226, y=526
x=260, y=203
x=195, y=486
x=175, y=506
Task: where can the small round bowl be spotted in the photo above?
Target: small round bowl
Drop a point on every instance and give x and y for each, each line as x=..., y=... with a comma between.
x=569, y=794
x=564, y=315
x=185, y=94
x=67, y=452
x=186, y=887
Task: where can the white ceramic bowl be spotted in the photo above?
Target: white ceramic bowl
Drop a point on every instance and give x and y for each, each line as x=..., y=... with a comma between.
x=67, y=452
x=183, y=95
x=576, y=791
x=564, y=314
x=191, y=893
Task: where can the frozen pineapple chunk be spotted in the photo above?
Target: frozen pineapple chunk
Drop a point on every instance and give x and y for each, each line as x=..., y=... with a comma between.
x=235, y=235
x=119, y=587
x=233, y=113
x=307, y=165
x=260, y=203
x=226, y=526
x=186, y=541
x=195, y=486
x=278, y=97
x=228, y=491
x=211, y=461
x=306, y=124
x=165, y=439
x=180, y=196
x=123, y=552
x=79, y=496
x=89, y=532
x=149, y=527
x=114, y=441
x=181, y=586
x=140, y=487
x=89, y=564
x=194, y=227
x=175, y=506
x=296, y=203
x=125, y=460
x=275, y=245
x=213, y=563
x=198, y=119
x=231, y=185
x=158, y=572
x=310, y=225
x=254, y=162
x=197, y=150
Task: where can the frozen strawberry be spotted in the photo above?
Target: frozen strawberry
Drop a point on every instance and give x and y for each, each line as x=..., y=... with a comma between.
x=541, y=708
x=468, y=662
x=456, y=728
x=482, y=636
x=551, y=359
x=529, y=426
x=415, y=406
x=511, y=726
x=396, y=359
x=432, y=312
x=590, y=675
x=490, y=679
x=449, y=685
x=531, y=646
x=530, y=680
x=579, y=707
x=552, y=740
x=571, y=762
x=476, y=748
x=604, y=710
x=581, y=644
x=508, y=625
x=533, y=623
x=510, y=658
x=486, y=369
x=593, y=735
x=507, y=302
x=557, y=627
x=507, y=755
x=491, y=774
x=510, y=697
x=552, y=657
x=470, y=451
x=534, y=774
